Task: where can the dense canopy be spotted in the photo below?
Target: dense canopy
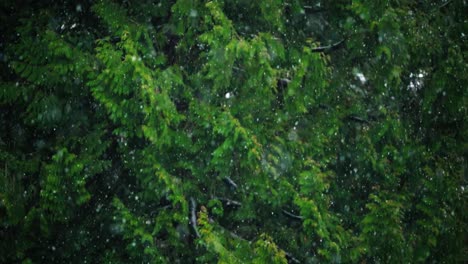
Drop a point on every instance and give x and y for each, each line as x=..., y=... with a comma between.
x=235, y=131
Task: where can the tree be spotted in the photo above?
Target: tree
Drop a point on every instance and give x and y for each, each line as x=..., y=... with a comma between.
x=233, y=131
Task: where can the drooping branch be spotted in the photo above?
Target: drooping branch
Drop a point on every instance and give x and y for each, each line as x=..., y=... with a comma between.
x=445, y=4
x=313, y=10
x=228, y=201
x=230, y=182
x=309, y=9
x=324, y=106
x=238, y=69
x=329, y=47
x=237, y=203
x=283, y=82
x=358, y=119
x=289, y=256
x=293, y=216
x=193, y=216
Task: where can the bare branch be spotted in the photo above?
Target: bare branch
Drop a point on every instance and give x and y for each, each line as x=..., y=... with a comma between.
x=324, y=106
x=230, y=182
x=312, y=10
x=353, y=118
x=309, y=9
x=329, y=47
x=284, y=81
x=293, y=216
x=445, y=4
x=193, y=216
x=229, y=201
x=238, y=69
x=291, y=258
x=358, y=119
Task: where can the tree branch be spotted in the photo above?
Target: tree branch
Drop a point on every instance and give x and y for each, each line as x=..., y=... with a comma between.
x=329, y=47
x=193, y=216
x=230, y=182
x=309, y=9
x=283, y=81
x=312, y=10
x=228, y=201
x=293, y=216
x=445, y=4
x=193, y=220
x=289, y=256
x=358, y=119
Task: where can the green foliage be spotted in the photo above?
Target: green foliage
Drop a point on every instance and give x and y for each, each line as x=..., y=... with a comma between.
x=267, y=252
x=383, y=221
x=135, y=232
x=64, y=176
x=233, y=132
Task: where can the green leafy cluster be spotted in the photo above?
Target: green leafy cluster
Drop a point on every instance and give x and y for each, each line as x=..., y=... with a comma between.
x=233, y=131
